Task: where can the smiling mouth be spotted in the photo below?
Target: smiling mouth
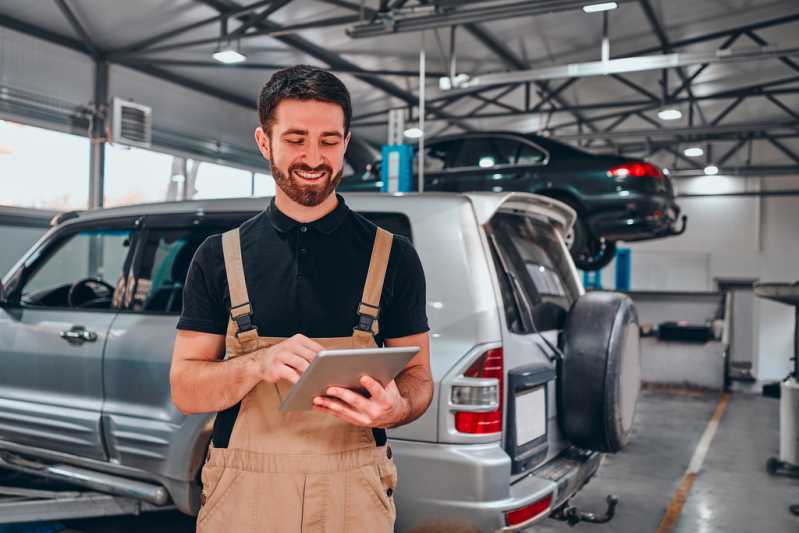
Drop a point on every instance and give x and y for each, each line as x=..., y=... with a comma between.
x=310, y=176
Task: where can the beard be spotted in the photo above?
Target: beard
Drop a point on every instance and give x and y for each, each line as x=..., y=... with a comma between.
x=308, y=195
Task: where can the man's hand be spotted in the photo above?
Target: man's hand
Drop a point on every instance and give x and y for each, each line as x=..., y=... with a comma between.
x=287, y=359
x=385, y=408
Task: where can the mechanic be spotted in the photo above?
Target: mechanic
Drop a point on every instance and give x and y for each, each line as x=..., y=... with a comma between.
x=260, y=302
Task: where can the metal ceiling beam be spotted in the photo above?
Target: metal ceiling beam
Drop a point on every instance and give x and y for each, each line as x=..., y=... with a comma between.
x=145, y=43
x=712, y=36
x=629, y=64
x=774, y=100
x=777, y=21
x=762, y=42
x=761, y=171
x=784, y=149
x=190, y=83
x=734, y=129
x=690, y=80
x=88, y=44
x=260, y=17
x=249, y=65
x=427, y=18
x=284, y=30
x=333, y=60
x=74, y=44
x=510, y=58
x=667, y=48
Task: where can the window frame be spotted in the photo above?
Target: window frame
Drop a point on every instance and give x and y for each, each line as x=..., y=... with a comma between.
x=46, y=248
x=172, y=222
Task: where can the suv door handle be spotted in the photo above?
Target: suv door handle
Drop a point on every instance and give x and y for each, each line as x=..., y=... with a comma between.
x=79, y=335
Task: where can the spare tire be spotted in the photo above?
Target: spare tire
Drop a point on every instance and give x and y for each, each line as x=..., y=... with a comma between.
x=600, y=375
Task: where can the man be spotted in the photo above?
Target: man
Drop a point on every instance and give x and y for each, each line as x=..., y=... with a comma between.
x=262, y=300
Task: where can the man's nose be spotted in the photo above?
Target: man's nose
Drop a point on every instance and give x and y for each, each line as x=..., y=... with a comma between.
x=313, y=155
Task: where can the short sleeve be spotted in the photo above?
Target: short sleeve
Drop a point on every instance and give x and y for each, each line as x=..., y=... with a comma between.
x=204, y=306
x=406, y=311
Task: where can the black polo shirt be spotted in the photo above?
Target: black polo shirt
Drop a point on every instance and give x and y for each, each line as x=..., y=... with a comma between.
x=304, y=278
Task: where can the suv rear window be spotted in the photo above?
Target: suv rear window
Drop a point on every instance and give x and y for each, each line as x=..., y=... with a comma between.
x=537, y=286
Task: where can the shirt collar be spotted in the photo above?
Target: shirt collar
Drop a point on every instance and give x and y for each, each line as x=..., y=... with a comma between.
x=327, y=224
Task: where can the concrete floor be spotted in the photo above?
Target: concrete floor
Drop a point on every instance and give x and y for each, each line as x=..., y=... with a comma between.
x=732, y=494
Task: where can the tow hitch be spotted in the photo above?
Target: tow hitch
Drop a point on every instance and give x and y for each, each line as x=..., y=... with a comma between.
x=572, y=515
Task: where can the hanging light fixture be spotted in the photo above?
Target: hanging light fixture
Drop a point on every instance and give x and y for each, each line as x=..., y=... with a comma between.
x=225, y=52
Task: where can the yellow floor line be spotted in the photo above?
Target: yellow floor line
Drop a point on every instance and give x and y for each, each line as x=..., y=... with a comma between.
x=674, y=509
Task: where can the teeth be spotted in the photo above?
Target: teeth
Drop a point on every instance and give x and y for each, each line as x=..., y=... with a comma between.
x=309, y=175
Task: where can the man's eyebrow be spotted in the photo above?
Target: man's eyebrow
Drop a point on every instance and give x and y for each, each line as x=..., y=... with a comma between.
x=332, y=133
x=295, y=131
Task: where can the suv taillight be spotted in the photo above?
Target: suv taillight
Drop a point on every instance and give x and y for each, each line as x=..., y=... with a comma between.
x=479, y=395
x=635, y=170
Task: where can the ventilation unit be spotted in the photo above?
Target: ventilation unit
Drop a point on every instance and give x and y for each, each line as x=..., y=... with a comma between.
x=132, y=123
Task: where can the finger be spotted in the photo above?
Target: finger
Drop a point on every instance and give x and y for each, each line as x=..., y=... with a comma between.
x=288, y=373
x=296, y=362
x=308, y=343
x=304, y=352
x=342, y=410
x=349, y=397
x=375, y=389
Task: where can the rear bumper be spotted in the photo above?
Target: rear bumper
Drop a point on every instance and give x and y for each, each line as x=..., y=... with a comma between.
x=467, y=487
x=637, y=217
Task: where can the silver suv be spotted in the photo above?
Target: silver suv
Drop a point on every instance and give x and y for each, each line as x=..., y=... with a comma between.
x=534, y=379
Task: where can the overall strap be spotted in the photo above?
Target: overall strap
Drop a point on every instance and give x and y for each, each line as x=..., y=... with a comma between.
x=240, y=308
x=369, y=308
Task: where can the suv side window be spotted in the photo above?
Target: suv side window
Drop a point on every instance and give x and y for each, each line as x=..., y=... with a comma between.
x=162, y=264
x=83, y=270
x=487, y=152
x=536, y=269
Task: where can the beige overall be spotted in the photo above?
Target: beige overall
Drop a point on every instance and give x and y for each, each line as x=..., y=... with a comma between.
x=299, y=471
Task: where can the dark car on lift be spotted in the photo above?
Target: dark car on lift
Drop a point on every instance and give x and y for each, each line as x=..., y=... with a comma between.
x=617, y=198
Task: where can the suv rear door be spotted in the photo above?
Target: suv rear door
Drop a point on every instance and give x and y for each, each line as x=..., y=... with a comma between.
x=52, y=334
x=142, y=425
x=538, y=285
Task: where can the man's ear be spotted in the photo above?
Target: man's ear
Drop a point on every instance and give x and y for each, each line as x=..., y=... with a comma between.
x=262, y=140
x=347, y=140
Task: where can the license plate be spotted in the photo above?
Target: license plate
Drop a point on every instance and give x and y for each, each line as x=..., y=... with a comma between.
x=531, y=415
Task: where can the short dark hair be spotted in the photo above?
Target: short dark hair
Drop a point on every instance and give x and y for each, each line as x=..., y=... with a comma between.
x=302, y=82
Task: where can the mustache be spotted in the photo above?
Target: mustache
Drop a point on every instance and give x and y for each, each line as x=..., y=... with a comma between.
x=307, y=168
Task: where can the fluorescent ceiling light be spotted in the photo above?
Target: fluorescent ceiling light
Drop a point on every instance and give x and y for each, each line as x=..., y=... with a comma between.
x=413, y=133
x=669, y=113
x=694, y=151
x=711, y=170
x=229, y=56
x=602, y=6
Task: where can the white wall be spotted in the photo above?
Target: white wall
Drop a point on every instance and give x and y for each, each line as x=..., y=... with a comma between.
x=731, y=237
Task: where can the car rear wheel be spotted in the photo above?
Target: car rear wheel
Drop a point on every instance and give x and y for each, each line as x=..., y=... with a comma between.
x=600, y=376
x=589, y=252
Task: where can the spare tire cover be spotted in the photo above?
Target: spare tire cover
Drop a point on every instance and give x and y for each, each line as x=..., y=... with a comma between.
x=600, y=375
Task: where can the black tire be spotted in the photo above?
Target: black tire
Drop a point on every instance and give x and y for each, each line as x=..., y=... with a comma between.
x=600, y=376
x=596, y=253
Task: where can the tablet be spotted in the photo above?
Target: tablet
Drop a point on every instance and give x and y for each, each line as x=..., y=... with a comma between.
x=344, y=368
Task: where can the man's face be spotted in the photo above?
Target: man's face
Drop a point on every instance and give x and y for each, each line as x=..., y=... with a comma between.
x=306, y=148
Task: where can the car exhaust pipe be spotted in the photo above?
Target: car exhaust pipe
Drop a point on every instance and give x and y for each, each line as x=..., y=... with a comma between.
x=83, y=477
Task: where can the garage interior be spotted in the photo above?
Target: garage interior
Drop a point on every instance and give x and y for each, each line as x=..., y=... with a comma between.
x=706, y=90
